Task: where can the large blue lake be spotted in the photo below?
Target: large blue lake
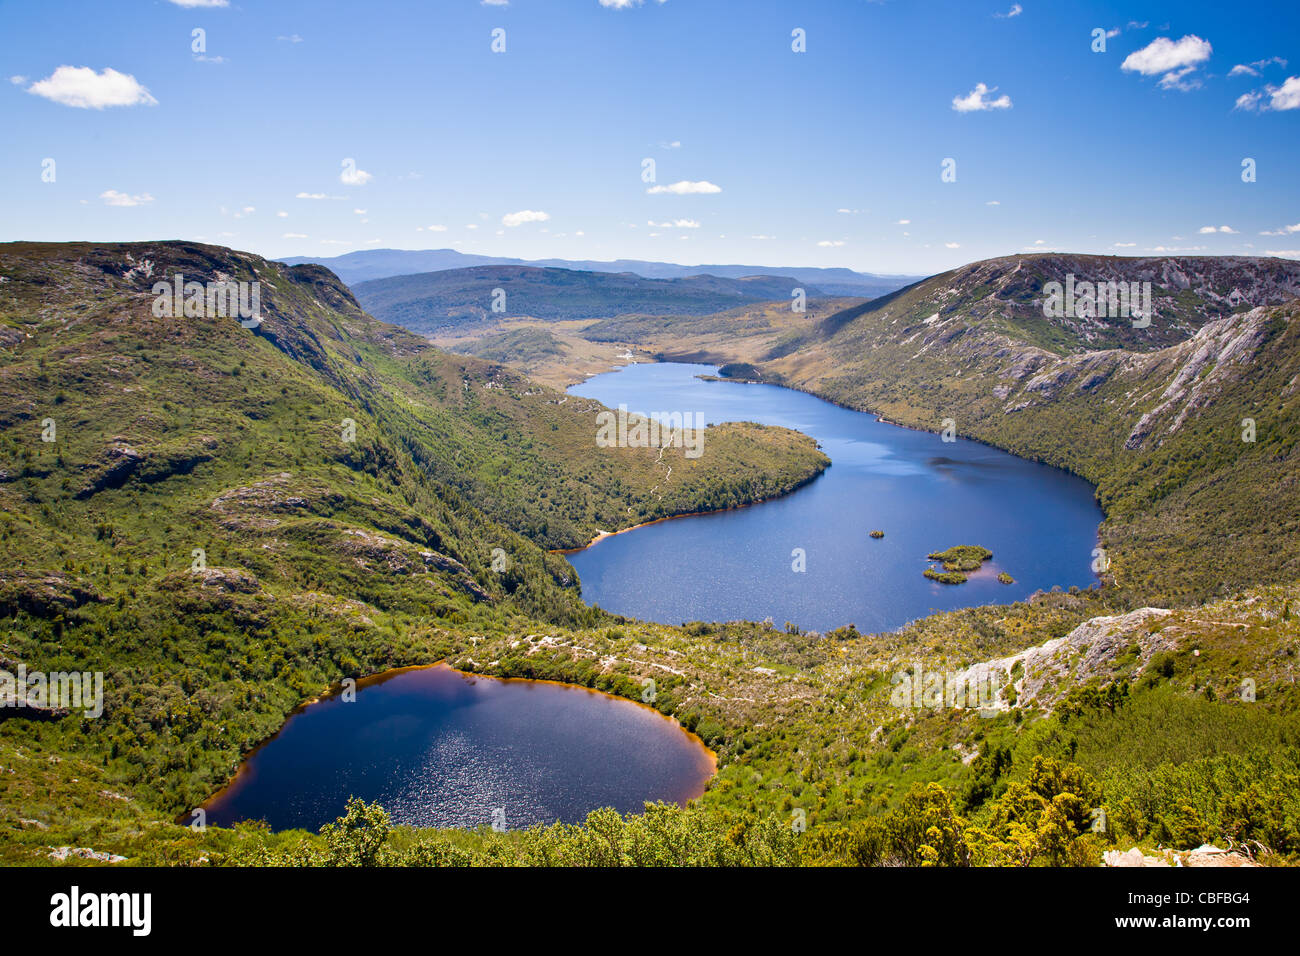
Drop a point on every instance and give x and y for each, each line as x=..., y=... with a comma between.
x=924, y=493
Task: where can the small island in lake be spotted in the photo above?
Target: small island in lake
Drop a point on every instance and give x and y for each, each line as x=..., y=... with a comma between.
x=958, y=561
x=1006, y=578
x=877, y=534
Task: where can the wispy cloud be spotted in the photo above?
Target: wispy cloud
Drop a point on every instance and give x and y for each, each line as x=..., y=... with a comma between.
x=975, y=100
x=112, y=197
x=1015, y=11
x=1253, y=68
x=513, y=219
x=685, y=188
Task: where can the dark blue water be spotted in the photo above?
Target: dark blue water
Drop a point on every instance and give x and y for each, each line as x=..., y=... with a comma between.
x=439, y=748
x=924, y=493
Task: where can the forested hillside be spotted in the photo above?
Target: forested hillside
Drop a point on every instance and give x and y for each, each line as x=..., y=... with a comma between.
x=203, y=525
x=1188, y=426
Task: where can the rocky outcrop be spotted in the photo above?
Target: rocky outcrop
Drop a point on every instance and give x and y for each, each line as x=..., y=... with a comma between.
x=1206, y=855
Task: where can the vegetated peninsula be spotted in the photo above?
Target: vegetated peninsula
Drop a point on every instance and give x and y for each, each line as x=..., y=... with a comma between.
x=958, y=561
x=325, y=558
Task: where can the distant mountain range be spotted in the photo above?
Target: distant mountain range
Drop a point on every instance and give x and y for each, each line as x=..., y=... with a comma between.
x=430, y=302
x=368, y=264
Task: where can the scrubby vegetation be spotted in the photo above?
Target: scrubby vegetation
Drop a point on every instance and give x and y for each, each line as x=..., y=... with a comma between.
x=958, y=561
x=201, y=532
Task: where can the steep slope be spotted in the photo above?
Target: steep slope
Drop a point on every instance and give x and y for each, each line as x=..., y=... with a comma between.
x=437, y=301
x=223, y=520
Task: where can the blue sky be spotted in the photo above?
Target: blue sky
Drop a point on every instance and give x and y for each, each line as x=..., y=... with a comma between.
x=830, y=157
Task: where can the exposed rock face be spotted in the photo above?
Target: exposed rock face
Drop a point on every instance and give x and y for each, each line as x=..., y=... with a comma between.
x=1083, y=654
x=63, y=853
x=1202, y=856
x=120, y=462
x=1215, y=354
x=42, y=593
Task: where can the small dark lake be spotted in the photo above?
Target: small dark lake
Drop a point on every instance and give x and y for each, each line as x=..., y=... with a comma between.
x=439, y=748
x=924, y=493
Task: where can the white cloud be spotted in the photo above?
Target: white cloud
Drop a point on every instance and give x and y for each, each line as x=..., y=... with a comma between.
x=1176, y=81
x=495, y=3
x=621, y=4
x=112, y=197
x=82, y=87
x=1248, y=101
x=294, y=235
x=975, y=101
x=359, y=212
x=903, y=222
x=952, y=245
x=353, y=175
x=762, y=237
x=685, y=188
x=1174, y=58
x=1253, y=68
x=17, y=80
x=1205, y=230
x=1286, y=96
x=201, y=3
x=830, y=243
x=431, y=228
x=1284, y=231
x=315, y=196
x=675, y=224
x=282, y=214
x=993, y=202
x=292, y=38
x=1124, y=245
x=1015, y=11
x=512, y=219
x=1283, y=253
